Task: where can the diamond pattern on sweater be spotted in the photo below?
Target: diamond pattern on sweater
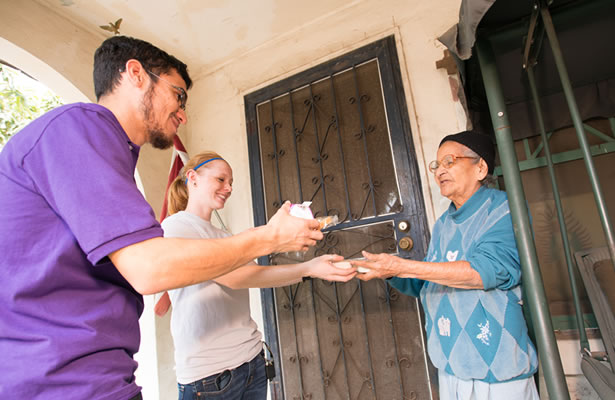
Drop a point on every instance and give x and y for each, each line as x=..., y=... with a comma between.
x=464, y=303
x=428, y=323
x=485, y=333
x=507, y=365
x=469, y=229
x=448, y=235
x=493, y=305
x=446, y=325
x=434, y=349
x=465, y=359
x=431, y=295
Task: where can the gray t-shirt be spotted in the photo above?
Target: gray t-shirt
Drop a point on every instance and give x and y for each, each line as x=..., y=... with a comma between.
x=210, y=323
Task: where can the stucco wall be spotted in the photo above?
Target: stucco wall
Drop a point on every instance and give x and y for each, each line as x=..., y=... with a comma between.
x=216, y=109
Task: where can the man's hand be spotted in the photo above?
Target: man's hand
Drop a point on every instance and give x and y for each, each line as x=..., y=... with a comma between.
x=324, y=267
x=380, y=266
x=292, y=233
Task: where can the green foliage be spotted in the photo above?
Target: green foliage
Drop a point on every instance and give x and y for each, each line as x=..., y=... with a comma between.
x=21, y=100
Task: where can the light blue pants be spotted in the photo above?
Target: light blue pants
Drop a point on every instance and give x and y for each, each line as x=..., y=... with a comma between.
x=453, y=388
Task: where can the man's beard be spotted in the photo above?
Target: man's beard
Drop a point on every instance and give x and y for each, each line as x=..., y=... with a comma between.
x=155, y=135
x=159, y=141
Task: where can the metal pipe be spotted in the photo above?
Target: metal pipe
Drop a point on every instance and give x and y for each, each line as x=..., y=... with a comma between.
x=560, y=212
x=578, y=125
x=541, y=318
x=529, y=42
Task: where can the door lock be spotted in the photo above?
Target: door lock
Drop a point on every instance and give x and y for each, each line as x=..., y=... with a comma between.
x=406, y=243
x=403, y=226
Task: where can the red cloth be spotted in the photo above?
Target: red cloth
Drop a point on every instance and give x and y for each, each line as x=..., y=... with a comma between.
x=180, y=156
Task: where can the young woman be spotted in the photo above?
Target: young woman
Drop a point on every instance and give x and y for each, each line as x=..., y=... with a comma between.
x=218, y=349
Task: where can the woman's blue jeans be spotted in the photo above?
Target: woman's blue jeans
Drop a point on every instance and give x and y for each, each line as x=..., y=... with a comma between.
x=246, y=382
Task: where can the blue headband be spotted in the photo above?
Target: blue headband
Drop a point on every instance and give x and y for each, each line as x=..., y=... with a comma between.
x=203, y=163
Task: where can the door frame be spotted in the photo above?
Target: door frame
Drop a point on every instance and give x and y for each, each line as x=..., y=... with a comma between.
x=400, y=135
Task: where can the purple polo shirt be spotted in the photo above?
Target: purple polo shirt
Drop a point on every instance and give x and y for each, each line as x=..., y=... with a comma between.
x=68, y=320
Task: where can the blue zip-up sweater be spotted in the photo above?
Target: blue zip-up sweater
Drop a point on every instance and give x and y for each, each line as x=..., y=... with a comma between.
x=476, y=333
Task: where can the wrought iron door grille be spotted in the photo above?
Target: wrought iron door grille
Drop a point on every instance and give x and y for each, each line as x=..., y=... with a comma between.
x=350, y=341
x=338, y=135
x=324, y=143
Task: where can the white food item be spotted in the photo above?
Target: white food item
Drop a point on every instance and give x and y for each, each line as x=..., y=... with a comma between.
x=343, y=264
x=302, y=210
x=346, y=265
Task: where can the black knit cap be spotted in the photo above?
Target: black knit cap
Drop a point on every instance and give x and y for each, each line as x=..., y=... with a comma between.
x=479, y=143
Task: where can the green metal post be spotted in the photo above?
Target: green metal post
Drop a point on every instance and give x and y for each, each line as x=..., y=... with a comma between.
x=560, y=212
x=532, y=279
x=578, y=125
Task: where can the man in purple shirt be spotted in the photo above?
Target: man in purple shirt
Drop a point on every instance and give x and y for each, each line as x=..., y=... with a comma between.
x=80, y=244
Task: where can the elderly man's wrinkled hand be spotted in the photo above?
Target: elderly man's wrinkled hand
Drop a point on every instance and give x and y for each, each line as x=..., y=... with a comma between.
x=379, y=266
x=292, y=233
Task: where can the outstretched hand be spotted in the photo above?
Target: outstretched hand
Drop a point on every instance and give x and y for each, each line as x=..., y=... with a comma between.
x=292, y=233
x=324, y=267
x=380, y=266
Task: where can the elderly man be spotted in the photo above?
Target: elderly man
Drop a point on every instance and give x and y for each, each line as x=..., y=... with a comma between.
x=80, y=244
x=469, y=282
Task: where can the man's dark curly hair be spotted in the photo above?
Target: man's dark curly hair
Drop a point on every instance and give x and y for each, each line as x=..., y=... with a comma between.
x=111, y=57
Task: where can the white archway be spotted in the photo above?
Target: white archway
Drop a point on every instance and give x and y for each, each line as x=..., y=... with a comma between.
x=42, y=72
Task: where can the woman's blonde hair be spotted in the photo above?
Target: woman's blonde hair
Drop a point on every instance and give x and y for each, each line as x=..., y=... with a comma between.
x=177, y=199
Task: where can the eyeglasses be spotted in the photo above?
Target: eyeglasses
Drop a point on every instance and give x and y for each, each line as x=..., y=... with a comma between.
x=182, y=97
x=447, y=161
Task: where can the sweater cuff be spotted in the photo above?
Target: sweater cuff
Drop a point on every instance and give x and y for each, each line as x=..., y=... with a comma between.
x=487, y=274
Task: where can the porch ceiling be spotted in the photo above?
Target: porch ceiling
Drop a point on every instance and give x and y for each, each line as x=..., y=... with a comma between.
x=203, y=33
x=585, y=29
